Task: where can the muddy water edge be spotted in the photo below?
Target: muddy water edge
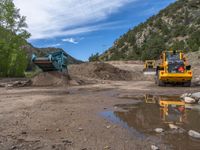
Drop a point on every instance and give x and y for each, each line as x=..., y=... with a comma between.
x=148, y=112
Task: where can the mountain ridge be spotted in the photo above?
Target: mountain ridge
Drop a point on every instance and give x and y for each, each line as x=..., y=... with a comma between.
x=175, y=27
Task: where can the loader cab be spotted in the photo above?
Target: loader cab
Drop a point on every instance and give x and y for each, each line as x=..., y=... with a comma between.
x=175, y=62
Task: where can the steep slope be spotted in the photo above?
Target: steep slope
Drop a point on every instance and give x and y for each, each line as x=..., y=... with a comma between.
x=176, y=27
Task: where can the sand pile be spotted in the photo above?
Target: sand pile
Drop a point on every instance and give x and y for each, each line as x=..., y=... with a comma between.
x=51, y=79
x=100, y=70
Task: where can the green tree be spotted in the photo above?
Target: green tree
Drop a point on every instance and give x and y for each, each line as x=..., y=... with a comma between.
x=94, y=57
x=13, y=60
x=194, y=41
x=153, y=47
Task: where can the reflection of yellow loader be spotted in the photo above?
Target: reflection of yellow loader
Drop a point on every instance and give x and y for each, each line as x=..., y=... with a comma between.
x=149, y=67
x=172, y=111
x=150, y=99
x=173, y=69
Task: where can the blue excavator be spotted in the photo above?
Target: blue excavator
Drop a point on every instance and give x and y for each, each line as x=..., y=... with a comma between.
x=53, y=61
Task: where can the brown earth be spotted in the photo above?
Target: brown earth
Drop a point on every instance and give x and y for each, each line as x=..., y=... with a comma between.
x=51, y=79
x=70, y=118
x=115, y=71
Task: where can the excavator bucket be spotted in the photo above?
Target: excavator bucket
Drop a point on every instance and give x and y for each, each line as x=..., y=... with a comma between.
x=149, y=67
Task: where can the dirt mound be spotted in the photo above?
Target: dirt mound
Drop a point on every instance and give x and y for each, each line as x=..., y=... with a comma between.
x=104, y=71
x=51, y=79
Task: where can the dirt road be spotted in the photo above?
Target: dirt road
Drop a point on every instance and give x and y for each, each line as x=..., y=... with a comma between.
x=74, y=118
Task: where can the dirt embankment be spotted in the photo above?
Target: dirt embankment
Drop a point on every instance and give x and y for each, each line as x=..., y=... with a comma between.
x=194, y=60
x=115, y=71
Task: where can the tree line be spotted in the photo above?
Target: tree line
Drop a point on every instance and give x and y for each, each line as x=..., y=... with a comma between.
x=13, y=35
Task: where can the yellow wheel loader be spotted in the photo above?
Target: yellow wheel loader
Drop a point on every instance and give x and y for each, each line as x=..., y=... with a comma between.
x=149, y=67
x=173, y=69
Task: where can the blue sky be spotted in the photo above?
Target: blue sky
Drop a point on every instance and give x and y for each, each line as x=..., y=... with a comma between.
x=83, y=27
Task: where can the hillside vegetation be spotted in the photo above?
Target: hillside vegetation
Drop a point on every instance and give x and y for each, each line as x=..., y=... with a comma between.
x=13, y=60
x=175, y=27
x=15, y=51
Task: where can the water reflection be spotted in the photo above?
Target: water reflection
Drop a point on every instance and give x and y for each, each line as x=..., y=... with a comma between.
x=159, y=111
x=172, y=110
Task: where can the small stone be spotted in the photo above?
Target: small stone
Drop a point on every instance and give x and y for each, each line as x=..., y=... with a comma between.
x=172, y=126
x=189, y=100
x=108, y=127
x=107, y=147
x=23, y=132
x=80, y=129
x=194, y=134
x=45, y=129
x=181, y=130
x=58, y=129
x=185, y=95
x=68, y=142
x=159, y=130
x=153, y=147
x=13, y=147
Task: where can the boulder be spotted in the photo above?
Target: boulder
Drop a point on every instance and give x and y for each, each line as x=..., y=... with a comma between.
x=196, y=95
x=189, y=100
x=194, y=134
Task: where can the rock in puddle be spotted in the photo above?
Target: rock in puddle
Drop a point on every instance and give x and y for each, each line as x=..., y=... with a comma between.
x=194, y=134
x=185, y=95
x=189, y=100
x=159, y=130
x=172, y=126
x=153, y=147
x=196, y=95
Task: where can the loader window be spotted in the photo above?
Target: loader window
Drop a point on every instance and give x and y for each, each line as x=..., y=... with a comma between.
x=176, y=67
x=173, y=57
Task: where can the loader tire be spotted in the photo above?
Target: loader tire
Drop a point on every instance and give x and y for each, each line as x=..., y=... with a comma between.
x=158, y=81
x=187, y=84
x=161, y=83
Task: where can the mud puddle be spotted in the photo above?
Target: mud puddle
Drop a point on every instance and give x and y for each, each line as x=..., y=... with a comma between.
x=152, y=112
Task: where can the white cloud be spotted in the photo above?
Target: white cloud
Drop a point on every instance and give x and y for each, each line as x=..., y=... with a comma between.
x=54, y=45
x=70, y=40
x=52, y=18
